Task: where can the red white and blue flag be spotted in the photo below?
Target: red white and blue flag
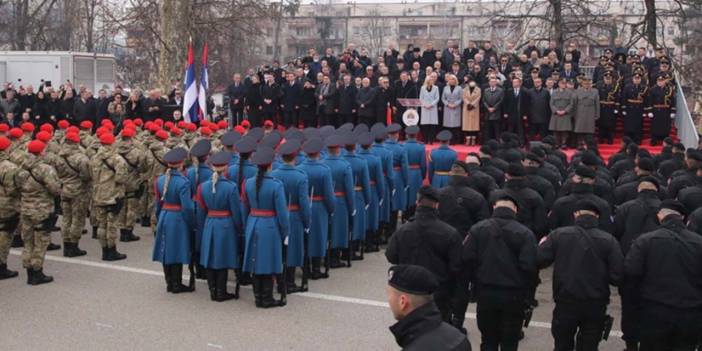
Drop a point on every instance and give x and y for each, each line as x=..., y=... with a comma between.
x=202, y=91
x=190, y=103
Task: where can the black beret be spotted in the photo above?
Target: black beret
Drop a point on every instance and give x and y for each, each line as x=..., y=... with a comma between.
x=674, y=205
x=246, y=144
x=313, y=146
x=412, y=279
x=263, y=156
x=271, y=139
x=643, y=153
x=531, y=156
x=412, y=130
x=256, y=133
x=549, y=140
x=646, y=164
x=695, y=155
x=589, y=158
x=506, y=197
x=587, y=205
x=176, y=155
x=516, y=170
x=365, y=139
x=290, y=147
x=538, y=151
x=394, y=128
x=444, y=135
x=626, y=140
x=585, y=172
x=486, y=150
x=230, y=138
x=221, y=158
x=651, y=180
x=334, y=140
x=428, y=192
x=669, y=141
x=679, y=146
x=493, y=144
x=201, y=148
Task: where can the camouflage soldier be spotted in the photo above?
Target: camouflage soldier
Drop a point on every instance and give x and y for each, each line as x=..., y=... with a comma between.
x=110, y=174
x=38, y=185
x=73, y=169
x=156, y=167
x=9, y=202
x=135, y=159
x=16, y=154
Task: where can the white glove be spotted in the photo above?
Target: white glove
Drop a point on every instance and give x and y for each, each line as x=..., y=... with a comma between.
x=353, y=213
x=615, y=111
x=306, y=230
x=672, y=115
x=623, y=113
x=366, y=207
x=380, y=203
x=650, y=115
x=285, y=242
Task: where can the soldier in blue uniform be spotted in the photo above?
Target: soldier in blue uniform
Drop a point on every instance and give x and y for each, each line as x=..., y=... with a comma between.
x=243, y=170
x=297, y=197
x=440, y=160
x=220, y=211
x=362, y=194
x=417, y=164
x=296, y=134
x=197, y=174
x=400, y=173
x=267, y=228
x=322, y=197
x=342, y=178
x=377, y=190
x=229, y=140
x=174, y=213
x=379, y=134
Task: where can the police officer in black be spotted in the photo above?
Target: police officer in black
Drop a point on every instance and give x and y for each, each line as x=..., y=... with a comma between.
x=419, y=325
x=586, y=261
x=429, y=242
x=532, y=163
x=532, y=210
x=479, y=180
x=687, y=176
x=500, y=255
x=666, y=264
x=628, y=184
x=581, y=189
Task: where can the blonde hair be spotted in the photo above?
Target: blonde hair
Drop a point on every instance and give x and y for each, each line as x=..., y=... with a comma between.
x=428, y=81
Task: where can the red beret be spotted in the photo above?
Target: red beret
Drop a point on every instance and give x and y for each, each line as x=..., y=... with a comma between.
x=213, y=127
x=222, y=124
x=138, y=121
x=100, y=131
x=181, y=124
x=205, y=131
x=4, y=143
x=168, y=125
x=162, y=134
x=204, y=123
x=268, y=123
x=35, y=147
x=154, y=128
x=63, y=124
x=106, y=122
x=190, y=127
x=239, y=129
x=176, y=131
x=86, y=125
x=4, y=128
x=46, y=127
x=16, y=133
x=72, y=129
x=128, y=133
x=27, y=127
x=159, y=122
x=44, y=136
x=74, y=137
x=107, y=139
x=246, y=124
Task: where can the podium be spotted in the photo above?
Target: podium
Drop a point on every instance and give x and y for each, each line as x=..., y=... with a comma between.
x=411, y=116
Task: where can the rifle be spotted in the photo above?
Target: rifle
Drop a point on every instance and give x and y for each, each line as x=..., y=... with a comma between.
x=528, y=313
x=284, y=289
x=193, y=257
x=306, y=258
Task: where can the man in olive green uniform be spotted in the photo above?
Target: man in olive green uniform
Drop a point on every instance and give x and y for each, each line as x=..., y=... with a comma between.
x=38, y=185
x=156, y=167
x=110, y=175
x=135, y=159
x=18, y=154
x=9, y=204
x=73, y=169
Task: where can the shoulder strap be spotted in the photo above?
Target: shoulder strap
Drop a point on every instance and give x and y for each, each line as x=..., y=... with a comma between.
x=157, y=159
x=133, y=166
x=108, y=165
x=68, y=163
x=31, y=174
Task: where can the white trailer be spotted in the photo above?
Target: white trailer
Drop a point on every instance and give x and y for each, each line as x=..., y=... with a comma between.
x=94, y=71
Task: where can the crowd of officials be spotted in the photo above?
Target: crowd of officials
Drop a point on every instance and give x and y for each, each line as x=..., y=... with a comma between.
x=278, y=203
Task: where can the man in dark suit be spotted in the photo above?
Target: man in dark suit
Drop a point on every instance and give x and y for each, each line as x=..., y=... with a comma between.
x=85, y=108
x=347, y=100
x=404, y=89
x=236, y=92
x=515, y=108
x=290, y=101
x=493, y=97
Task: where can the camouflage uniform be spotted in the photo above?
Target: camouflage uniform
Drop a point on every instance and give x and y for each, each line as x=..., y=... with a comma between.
x=9, y=204
x=73, y=168
x=156, y=168
x=110, y=175
x=145, y=140
x=135, y=159
x=38, y=184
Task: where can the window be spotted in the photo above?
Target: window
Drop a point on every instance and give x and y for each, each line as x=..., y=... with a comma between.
x=302, y=31
x=269, y=50
x=413, y=30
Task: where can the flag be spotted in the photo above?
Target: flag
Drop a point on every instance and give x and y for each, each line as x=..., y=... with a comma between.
x=190, y=109
x=202, y=91
x=388, y=116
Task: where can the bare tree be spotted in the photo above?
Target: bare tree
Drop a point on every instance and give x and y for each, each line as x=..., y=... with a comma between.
x=374, y=31
x=278, y=11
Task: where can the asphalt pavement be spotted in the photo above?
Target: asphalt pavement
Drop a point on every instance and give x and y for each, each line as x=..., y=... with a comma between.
x=96, y=305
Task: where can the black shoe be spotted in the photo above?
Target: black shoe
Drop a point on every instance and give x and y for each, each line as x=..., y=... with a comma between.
x=77, y=251
x=145, y=221
x=316, y=269
x=221, y=293
x=113, y=255
x=243, y=278
x=199, y=270
x=267, y=300
x=632, y=346
x=72, y=250
x=212, y=283
x=38, y=277
x=335, y=262
x=127, y=235
x=6, y=273
x=290, y=282
x=95, y=230
x=83, y=232
x=53, y=247
x=177, y=280
x=167, y=276
x=256, y=284
x=17, y=241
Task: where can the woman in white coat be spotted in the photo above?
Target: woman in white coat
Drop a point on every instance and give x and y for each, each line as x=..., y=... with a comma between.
x=452, y=97
x=429, y=119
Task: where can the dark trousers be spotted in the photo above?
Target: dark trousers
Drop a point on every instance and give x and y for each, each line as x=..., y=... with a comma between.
x=516, y=126
x=494, y=129
x=237, y=115
x=500, y=317
x=290, y=118
x=326, y=119
x=461, y=298
x=630, y=313
x=538, y=128
x=348, y=118
x=442, y=298
x=582, y=318
x=669, y=328
x=367, y=120
x=429, y=132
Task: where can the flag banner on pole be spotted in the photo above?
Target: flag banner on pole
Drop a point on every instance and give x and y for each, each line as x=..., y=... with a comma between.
x=202, y=91
x=190, y=108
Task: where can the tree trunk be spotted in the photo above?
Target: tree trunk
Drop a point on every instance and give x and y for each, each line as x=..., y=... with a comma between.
x=278, y=24
x=557, y=23
x=176, y=25
x=651, y=24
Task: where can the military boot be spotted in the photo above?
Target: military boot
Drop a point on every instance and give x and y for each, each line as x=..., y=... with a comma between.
x=17, y=241
x=95, y=230
x=113, y=255
x=145, y=221
x=267, y=300
x=167, y=276
x=290, y=281
x=256, y=284
x=317, y=269
x=38, y=277
x=354, y=248
x=221, y=293
x=212, y=283
x=127, y=235
x=370, y=242
x=177, y=278
x=53, y=247
x=335, y=259
x=6, y=273
x=77, y=251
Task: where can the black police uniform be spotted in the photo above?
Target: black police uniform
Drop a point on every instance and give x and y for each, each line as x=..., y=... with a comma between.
x=429, y=242
x=587, y=260
x=541, y=185
x=532, y=210
x=562, y=211
x=501, y=255
x=460, y=206
x=481, y=181
x=666, y=264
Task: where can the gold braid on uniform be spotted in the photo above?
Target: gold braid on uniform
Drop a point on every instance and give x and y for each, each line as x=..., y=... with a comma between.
x=215, y=178
x=165, y=184
x=668, y=94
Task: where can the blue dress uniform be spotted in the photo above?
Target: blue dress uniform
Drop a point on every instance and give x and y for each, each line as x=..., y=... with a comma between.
x=440, y=161
x=377, y=185
x=400, y=173
x=229, y=140
x=385, y=155
x=362, y=194
x=342, y=178
x=322, y=196
x=174, y=213
x=267, y=226
x=296, y=193
x=220, y=209
x=417, y=160
x=197, y=174
x=245, y=146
